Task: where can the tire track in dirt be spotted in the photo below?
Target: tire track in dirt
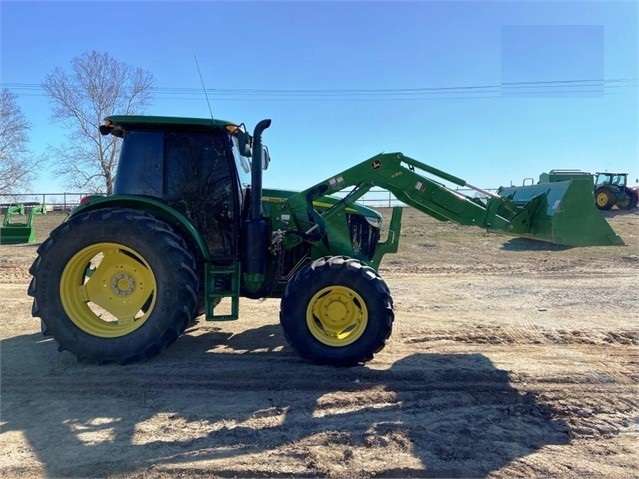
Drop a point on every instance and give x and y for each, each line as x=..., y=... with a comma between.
x=531, y=334
x=14, y=274
x=595, y=398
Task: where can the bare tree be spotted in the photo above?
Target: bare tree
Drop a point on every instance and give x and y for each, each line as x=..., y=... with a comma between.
x=17, y=165
x=96, y=86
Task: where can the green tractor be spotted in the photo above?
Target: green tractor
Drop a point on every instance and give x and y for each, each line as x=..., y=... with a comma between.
x=190, y=223
x=611, y=189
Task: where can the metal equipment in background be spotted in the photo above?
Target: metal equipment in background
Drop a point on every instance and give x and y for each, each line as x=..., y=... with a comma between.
x=566, y=213
x=16, y=232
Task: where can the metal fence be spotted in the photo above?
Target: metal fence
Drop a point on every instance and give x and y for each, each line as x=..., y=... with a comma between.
x=376, y=197
x=54, y=201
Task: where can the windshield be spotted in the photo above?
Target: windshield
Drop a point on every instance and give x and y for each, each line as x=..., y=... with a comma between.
x=242, y=163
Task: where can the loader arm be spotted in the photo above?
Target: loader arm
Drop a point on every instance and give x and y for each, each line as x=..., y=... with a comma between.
x=406, y=179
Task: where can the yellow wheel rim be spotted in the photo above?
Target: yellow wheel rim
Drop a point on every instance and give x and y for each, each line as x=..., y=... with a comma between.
x=108, y=290
x=337, y=316
x=602, y=199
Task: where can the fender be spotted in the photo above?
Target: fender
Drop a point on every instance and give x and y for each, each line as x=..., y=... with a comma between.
x=157, y=208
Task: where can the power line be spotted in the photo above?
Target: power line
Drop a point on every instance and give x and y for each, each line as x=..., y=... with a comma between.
x=556, y=88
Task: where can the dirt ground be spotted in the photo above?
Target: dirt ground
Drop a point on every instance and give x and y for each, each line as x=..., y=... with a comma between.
x=509, y=358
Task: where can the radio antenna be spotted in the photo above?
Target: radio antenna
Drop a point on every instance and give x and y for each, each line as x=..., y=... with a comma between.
x=203, y=87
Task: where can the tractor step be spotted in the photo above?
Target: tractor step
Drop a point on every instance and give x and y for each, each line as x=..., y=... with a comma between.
x=222, y=282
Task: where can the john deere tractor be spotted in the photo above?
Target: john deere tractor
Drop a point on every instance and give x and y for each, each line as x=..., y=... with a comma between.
x=611, y=189
x=190, y=223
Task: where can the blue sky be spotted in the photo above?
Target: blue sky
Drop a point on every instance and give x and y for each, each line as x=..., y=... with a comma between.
x=457, y=85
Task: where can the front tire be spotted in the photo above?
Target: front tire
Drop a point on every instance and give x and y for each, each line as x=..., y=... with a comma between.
x=631, y=201
x=337, y=311
x=114, y=285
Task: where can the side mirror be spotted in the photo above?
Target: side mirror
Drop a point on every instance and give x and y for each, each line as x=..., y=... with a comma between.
x=105, y=130
x=244, y=143
x=266, y=158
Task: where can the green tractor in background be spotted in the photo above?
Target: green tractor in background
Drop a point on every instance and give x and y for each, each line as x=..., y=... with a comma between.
x=611, y=189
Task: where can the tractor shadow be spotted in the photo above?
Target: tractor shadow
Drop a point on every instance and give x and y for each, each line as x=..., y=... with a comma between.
x=525, y=244
x=240, y=399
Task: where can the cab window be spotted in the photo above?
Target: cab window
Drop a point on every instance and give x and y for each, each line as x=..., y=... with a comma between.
x=199, y=183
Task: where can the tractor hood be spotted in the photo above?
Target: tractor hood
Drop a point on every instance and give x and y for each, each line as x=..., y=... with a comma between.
x=274, y=196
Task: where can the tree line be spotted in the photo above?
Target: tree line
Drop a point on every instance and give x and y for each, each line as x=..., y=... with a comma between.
x=94, y=87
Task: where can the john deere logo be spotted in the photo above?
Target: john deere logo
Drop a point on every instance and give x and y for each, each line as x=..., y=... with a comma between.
x=376, y=165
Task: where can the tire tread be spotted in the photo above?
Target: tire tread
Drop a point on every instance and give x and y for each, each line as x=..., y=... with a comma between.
x=162, y=234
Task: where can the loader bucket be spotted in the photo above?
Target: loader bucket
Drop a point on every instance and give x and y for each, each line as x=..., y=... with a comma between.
x=12, y=232
x=562, y=212
x=16, y=234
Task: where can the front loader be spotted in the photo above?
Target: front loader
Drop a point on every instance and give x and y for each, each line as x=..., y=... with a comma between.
x=190, y=224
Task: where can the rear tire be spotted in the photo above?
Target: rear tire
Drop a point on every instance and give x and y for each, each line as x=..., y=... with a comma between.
x=604, y=199
x=337, y=311
x=114, y=285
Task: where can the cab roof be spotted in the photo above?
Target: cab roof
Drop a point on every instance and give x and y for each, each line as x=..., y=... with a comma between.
x=166, y=120
x=116, y=125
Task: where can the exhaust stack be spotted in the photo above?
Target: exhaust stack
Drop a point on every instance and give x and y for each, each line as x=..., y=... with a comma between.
x=256, y=170
x=255, y=233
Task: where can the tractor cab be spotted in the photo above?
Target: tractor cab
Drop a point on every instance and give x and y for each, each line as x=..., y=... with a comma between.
x=615, y=179
x=200, y=167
